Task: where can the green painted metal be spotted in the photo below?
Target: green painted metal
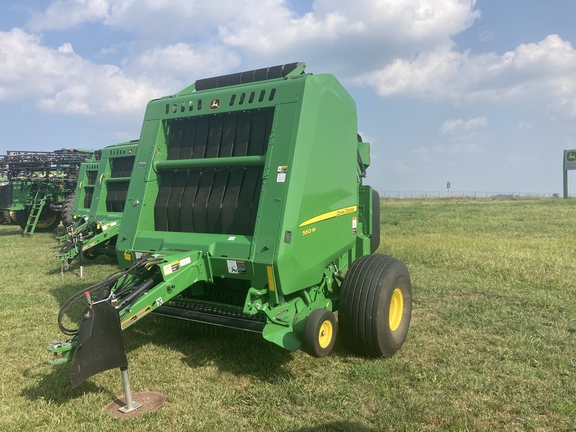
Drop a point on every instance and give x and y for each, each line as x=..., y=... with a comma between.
x=36, y=209
x=84, y=192
x=36, y=185
x=98, y=225
x=196, y=248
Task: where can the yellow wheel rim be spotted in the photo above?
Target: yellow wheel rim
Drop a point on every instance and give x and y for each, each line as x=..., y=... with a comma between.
x=396, y=309
x=47, y=220
x=325, y=334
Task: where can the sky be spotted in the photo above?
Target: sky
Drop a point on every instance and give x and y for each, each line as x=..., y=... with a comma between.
x=481, y=94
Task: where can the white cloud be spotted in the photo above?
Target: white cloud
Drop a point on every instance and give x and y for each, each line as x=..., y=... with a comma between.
x=337, y=33
x=532, y=73
x=453, y=148
x=64, y=14
x=401, y=48
x=402, y=166
x=451, y=126
x=484, y=35
x=525, y=125
x=347, y=36
x=186, y=60
x=62, y=81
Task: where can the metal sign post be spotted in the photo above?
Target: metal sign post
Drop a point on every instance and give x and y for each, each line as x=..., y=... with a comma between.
x=569, y=164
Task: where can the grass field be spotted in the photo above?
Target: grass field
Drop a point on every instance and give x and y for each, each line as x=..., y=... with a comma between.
x=491, y=345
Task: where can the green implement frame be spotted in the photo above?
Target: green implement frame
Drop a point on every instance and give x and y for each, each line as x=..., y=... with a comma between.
x=37, y=184
x=98, y=204
x=247, y=210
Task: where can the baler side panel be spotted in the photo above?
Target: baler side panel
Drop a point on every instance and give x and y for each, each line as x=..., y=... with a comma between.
x=322, y=183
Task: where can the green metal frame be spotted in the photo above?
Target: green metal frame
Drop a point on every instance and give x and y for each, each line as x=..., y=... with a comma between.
x=39, y=182
x=314, y=215
x=99, y=225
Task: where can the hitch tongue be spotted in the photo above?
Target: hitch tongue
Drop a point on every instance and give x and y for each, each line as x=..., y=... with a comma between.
x=62, y=351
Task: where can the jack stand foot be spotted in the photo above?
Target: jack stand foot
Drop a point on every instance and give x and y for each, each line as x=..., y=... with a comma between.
x=125, y=409
x=151, y=401
x=131, y=405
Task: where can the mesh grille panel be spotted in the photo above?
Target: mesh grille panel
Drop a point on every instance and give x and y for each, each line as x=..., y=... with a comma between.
x=213, y=200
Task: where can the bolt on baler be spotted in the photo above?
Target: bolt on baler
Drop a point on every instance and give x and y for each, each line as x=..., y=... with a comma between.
x=248, y=210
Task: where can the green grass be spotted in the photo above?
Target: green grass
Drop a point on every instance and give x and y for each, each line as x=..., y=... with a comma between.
x=491, y=345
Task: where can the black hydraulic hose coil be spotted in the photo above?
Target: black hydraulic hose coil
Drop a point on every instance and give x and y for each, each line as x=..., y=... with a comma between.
x=104, y=288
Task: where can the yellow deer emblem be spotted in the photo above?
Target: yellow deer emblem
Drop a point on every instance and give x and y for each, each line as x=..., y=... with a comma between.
x=215, y=104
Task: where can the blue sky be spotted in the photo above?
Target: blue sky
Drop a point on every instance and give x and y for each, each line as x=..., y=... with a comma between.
x=479, y=93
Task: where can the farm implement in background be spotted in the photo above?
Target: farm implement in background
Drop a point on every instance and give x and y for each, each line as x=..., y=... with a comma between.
x=99, y=201
x=35, y=186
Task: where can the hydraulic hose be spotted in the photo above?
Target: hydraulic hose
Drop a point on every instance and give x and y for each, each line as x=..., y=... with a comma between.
x=104, y=286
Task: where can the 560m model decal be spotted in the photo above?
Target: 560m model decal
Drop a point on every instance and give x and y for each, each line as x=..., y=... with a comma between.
x=329, y=215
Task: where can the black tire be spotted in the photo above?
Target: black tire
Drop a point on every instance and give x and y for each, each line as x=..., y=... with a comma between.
x=20, y=217
x=375, y=306
x=47, y=222
x=6, y=219
x=67, y=211
x=91, y=254
x=319, y=333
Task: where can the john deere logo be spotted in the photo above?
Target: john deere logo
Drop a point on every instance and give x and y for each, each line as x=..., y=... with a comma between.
x=215, y=104
x=571, y=156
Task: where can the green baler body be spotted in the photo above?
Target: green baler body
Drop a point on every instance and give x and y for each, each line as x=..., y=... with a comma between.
x=245, y=207
x=263, y=180
x=100, y=198
x=113, y=180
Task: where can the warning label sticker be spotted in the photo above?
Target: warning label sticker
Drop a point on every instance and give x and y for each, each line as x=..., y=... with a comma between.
x=281, y=177
x=136, y=317
x=236, y=267
x=171, y=268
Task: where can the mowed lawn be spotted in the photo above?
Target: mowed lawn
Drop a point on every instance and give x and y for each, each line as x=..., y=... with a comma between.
x=491, y=345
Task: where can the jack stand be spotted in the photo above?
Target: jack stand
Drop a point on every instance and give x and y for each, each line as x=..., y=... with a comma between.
x=131, y=405
x=81, y=243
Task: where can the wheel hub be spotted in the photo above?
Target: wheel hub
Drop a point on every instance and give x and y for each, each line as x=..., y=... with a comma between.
x=325, y=334
x=396, y=309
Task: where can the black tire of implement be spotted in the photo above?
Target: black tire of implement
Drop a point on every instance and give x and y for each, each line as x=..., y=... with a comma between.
x=22, y=219
x=6, y=219
x=52, y=225
x=364, y=309
x=91, y=254
x=67, y=213
x=312, y=330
